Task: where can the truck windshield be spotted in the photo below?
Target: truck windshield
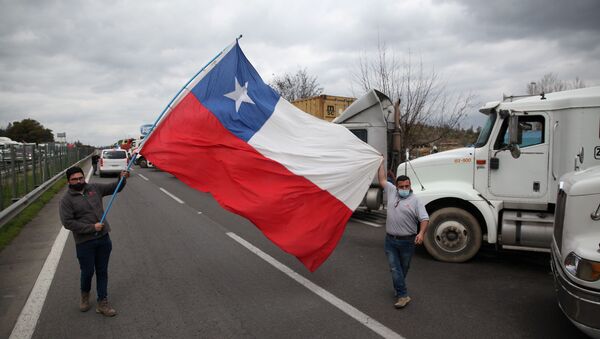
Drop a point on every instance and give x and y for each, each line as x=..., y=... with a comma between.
x=484, y=135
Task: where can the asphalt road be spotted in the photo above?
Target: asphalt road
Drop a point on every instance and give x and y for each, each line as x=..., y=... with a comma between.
x=175, y=272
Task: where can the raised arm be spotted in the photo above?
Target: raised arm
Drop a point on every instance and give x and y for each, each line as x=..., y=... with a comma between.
x=381, y=175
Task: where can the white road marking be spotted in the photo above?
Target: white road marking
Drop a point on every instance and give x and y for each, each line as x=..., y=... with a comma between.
x=172, y=196
x=350, y=310
x=30, y=313
x=199, y=212
x=367, y=223
x=143, y=177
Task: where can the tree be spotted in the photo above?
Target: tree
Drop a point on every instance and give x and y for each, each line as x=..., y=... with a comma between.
x=423, y=99
x=29, y=130
x=551, y=83
x=298, y=86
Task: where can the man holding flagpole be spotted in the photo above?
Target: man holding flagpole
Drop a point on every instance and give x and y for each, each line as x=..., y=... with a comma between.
x=80, y=212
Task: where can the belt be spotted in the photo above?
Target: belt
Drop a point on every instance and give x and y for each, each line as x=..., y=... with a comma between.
x=402, y=237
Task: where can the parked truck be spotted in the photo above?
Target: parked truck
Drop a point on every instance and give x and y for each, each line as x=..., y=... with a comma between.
x=503, y=189
x=371, y=119
x=576, y=249
x=140, y=160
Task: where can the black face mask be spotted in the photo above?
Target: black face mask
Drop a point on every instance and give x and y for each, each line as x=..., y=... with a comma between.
x=78, y=186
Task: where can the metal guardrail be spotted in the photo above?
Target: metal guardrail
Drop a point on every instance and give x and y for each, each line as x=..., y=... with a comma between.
x=16, y=207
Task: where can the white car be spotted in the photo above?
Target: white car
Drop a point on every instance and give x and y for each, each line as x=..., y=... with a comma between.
x=112, y=161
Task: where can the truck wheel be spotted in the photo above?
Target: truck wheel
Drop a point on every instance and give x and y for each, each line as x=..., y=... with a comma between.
x=143, y=163
x=453, y=235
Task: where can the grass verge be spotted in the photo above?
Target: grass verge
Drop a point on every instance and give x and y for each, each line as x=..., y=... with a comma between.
x=13, y=227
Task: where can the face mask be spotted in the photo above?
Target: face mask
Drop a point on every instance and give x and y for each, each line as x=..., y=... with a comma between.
x=77, y=187
x=403, y=193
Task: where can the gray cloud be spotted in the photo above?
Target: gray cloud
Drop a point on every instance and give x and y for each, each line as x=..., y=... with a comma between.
x=98, y=70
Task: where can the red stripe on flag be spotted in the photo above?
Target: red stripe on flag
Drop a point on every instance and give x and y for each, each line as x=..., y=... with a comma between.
x=291, y=211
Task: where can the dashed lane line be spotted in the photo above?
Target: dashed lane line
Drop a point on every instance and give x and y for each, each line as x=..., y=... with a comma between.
x=172, y=195
x=367, y=223
x=143, y=177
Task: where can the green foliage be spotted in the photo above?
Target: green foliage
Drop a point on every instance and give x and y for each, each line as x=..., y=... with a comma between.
x=29, y=130
x=13, y=227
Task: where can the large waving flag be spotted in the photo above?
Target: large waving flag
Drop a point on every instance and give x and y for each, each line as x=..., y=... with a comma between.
x=296, y=177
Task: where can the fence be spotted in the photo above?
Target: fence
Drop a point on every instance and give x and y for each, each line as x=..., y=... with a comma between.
x=24, y=167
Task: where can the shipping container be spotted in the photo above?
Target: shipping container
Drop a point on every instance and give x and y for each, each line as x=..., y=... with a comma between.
x=326, y=107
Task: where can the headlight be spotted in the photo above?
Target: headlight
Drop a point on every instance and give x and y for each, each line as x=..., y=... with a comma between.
x=582, y=268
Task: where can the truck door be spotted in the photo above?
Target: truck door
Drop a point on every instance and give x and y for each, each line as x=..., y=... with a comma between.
x=527, y=175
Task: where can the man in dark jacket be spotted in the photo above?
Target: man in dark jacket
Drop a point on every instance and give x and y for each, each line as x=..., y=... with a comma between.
x=95, y=159
x=80, y=212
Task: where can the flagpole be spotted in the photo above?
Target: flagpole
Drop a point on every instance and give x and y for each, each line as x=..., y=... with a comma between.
x=181, y=90
x=114, y=195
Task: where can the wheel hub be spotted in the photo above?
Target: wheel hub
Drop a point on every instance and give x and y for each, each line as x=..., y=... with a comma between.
x=451, y=236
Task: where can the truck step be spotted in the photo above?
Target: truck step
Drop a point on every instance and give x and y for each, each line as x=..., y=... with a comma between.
x=528, y=217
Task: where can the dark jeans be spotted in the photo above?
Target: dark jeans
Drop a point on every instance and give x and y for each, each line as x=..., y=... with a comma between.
x=399, y=253
x=93, y=256
x=95, y=166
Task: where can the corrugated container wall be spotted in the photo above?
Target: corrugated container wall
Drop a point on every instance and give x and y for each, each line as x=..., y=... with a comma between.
x=326, y=107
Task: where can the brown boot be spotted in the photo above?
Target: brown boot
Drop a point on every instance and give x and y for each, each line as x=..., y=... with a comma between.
x=105, y=308
x=84, y=305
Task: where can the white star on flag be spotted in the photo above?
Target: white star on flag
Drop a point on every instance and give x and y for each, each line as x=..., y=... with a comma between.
x=239, y=95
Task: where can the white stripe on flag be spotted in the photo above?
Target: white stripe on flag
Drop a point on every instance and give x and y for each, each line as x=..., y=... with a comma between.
x=327, y=154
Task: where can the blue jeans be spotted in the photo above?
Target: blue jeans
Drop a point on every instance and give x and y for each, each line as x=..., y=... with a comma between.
x=93, y=257
x=399, y=253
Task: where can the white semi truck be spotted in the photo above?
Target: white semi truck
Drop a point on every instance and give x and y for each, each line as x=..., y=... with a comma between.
x=503, y=189
x=576, y=249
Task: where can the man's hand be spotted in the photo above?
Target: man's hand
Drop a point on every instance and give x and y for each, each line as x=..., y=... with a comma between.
x=124, y=174
x=419, y=239
x=423, y=229
x=98, y=226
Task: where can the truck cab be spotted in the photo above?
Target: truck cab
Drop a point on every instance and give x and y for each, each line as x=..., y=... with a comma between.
x=140, y=160
x=502, y=190
x=576, y=249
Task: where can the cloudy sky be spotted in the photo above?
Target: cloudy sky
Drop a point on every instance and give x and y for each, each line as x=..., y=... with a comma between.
x=97, y=70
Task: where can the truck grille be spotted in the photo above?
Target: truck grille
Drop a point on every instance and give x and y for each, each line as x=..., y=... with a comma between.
x=559, y=218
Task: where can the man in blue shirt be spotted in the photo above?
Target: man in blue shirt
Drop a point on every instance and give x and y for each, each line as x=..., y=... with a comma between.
x=405, y=225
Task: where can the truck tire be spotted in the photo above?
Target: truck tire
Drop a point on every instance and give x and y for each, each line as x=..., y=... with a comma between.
x=453, y=235
x=143, y=163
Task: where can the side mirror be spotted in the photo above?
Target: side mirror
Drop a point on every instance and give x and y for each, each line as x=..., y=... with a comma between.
x=514, y=135
x=515, y=151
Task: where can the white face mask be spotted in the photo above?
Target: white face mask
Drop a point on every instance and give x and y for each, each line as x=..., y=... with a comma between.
x=403, y=193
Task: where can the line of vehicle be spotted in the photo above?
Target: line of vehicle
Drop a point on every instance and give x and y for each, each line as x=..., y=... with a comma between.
x=350, y=310
x=30, y=313
x=172, y=195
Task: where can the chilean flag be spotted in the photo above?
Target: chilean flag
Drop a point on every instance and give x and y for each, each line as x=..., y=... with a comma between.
x=296, y=177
